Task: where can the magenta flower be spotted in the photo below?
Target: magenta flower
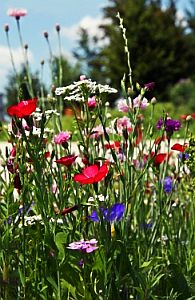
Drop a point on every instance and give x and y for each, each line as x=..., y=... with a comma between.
x=92, y=102
x=62, y=137
x=17, y=12
x=84, y=246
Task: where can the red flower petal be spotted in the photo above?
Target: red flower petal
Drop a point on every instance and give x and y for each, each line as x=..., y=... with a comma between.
x=66, y=160
x=179, y=147
x=103, y=171
x=23, y=108
x=82, y=179
x=92, y=174
x=159, y=158
x=90, y=171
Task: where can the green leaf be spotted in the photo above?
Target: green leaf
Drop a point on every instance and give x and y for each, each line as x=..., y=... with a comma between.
x=52, y=282
x=69, y=287
x=149, y=264
x=60, y=240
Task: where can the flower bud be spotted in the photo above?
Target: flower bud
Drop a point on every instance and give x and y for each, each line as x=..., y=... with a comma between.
x=6, y=27
x=57, y=27
x=188, y=118
x=153, y=101
x=45, y=33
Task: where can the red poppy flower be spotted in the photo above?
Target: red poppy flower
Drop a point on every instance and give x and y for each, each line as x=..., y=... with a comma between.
x=92, y=174
x=66, y=160
x=159, y=158
x=23, y=108
x=179, y=147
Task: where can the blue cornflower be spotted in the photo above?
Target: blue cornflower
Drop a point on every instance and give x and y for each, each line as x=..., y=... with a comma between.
x=168, y=184
x=184, y=156
x=114, y=213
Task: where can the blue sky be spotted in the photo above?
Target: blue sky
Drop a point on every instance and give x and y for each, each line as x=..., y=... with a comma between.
x=42, y=16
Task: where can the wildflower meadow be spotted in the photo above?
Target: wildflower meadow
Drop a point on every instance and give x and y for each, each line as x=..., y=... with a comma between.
x=110, y=216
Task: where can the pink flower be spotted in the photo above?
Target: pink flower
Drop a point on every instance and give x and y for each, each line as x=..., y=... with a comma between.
x=84, y=246
x=17, y=12
x=97, y=131
x=92, y=102
x=124, y=123
x=138, y=102
x=123, y=106
x=82, y=77
x=62, y=137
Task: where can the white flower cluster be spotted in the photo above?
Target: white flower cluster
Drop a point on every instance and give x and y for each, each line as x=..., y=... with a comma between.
x=74, y=91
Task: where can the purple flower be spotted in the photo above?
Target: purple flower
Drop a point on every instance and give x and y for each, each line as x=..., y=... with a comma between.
x=84, y=246
x=149, y=86
x=168, y=184
x=159, y=123
x=184, y=155
x=170, y=125
x=114, y=213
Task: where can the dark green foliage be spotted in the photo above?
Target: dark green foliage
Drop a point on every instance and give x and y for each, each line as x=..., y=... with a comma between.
x=18, y=87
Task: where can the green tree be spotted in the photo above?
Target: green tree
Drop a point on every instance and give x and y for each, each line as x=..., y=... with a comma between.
x=158, y=44
x=88, y=53
x=64, y=73
x=17, y=87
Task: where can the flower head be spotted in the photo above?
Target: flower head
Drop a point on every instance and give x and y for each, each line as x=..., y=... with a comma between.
x=168, y=184
x=114, y=213
x=84, y=246
x=179, y=147
x=62, y=137
x=92, y=102
x=149, y=86
x=92, y=174
x=66, y=160
x=17, y=12
x=23, y=108
x=170, y=125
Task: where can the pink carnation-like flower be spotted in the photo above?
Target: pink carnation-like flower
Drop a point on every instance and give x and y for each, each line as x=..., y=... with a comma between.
x=138, y=102
x=62, y=137
x=17, y=12
x=124, y=123
x=123, y=106
x=97, y=131
x=92, y=102
x=84, y=246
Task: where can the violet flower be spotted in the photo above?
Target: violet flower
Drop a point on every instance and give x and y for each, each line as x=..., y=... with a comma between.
x=84, y=246
x=170, y=125
x=115, y=213
x=168, y=184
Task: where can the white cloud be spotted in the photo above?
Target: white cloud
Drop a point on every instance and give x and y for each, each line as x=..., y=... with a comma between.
x=89, y=23
x=5, y=61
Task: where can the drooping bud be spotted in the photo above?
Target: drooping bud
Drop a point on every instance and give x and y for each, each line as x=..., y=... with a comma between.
x=58, y=28
x=6, y=27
